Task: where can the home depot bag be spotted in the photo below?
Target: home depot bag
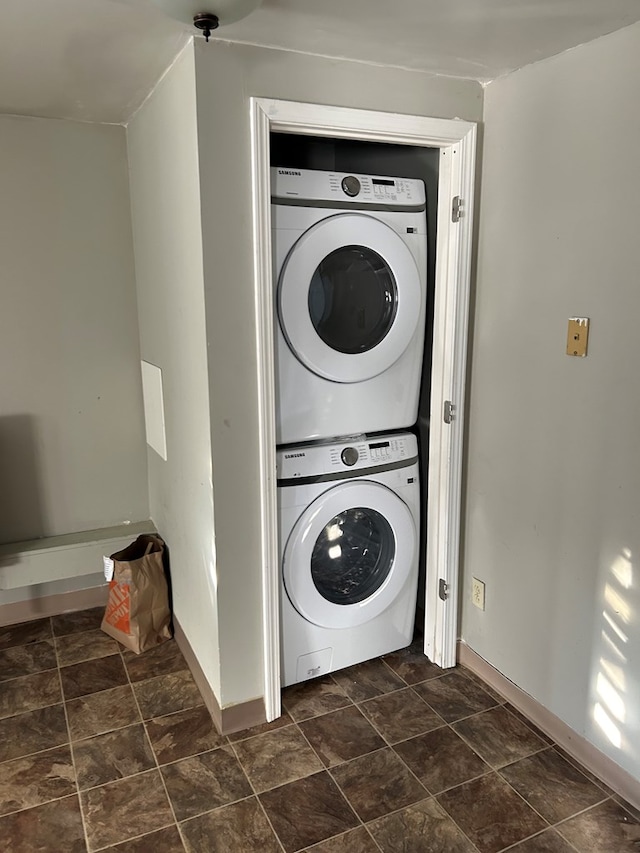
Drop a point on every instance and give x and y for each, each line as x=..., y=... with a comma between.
x=137, y=613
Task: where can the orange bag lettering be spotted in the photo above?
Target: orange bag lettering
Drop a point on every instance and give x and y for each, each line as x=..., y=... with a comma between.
x=137, y=613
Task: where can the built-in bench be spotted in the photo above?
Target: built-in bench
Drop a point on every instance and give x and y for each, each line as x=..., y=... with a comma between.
x=42, y=577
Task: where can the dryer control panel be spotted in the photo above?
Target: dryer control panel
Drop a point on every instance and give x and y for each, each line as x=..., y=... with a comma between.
x=355, y=454
x=346, y=189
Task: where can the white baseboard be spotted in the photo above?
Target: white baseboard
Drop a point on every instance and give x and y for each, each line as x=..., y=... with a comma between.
x=577, y=746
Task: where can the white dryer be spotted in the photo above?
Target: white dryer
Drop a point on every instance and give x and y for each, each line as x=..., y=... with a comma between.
x=350, y=274
x=349, y=519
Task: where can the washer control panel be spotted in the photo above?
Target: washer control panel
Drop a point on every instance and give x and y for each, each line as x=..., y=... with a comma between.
x=359, y=452
x=314, y=186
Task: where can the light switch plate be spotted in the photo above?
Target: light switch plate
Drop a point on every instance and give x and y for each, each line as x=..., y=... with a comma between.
x=578, y=336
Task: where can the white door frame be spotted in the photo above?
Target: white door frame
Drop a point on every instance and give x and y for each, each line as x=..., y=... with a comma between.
x=456, y=141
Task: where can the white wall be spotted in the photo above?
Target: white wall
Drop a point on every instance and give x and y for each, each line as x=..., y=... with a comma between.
x=165, y=202
x=553, y=497
x=227, y=76
x=71, y=423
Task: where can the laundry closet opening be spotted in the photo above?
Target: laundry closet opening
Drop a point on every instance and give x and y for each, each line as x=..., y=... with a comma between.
x=304, y=152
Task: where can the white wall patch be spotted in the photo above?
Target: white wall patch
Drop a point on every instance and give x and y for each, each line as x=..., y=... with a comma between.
x=154, y=408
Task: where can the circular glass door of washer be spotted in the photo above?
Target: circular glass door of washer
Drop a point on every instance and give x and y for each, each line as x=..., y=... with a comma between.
x=349, y=555
x=349, y=298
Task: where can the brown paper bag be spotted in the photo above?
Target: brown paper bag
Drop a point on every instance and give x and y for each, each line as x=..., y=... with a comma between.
x=137, y=613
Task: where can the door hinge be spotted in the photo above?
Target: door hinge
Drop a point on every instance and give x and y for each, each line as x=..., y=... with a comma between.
x=456, y=208
x=449, y=411
x=443, y=589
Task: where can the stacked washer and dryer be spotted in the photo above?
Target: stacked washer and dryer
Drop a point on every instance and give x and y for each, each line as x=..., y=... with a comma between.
x=350, y=295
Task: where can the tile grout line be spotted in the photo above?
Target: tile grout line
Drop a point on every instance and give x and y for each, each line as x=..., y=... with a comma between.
x=258, y=734
x=531, y=726
x=463, y=737
x=140, y=721
x=37, y=751
x=582, y=811
x=153, y=753
x=534, y=809
x=536, y=835
x=71, y=752
x=449, y=725
x=433, y=797
x=50, y=642
x=342, y=835
x=133, y=838
x=582, y=769
x=403, y=740
x=126, y=840
x=328, y=769
x=71, y=749
x=478, y=682
x=373, y=725
x=350, y=702
x=106, y=732
x=387, y=746
x=25, y=675
x=495, y=770
x=343, y=795
x=466, y=717
x=226, y=742
x=38, y=707
x=322, y=769
x=255, y=793
x=489, y=771
x=46, y=749
x=492, y=707
x=630, y=809
x=391, y=747
x=456, y=824
x=158, y=766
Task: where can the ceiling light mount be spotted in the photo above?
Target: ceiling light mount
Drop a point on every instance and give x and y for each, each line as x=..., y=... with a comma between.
x=206, y=21
x=191, y=13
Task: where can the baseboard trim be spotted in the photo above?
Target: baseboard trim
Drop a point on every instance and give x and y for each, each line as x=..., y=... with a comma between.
x=577, y=746
x=53, y=605
x=227, y=720
x=245, y=715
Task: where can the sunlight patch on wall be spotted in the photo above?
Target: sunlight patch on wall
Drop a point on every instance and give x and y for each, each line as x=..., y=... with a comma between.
x=611, y=697
x=615, y=628
x=617, y=604
x=622, y=569
x=613, y=648
x=609, y=708
x=614, y=673
x=607, y=725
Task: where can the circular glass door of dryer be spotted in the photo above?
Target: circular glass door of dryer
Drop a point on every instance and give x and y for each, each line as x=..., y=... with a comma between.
x=349, y=555
x=349, y=298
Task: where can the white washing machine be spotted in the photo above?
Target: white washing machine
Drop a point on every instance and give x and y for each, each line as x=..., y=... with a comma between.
x=349, y=520
x=350, y=268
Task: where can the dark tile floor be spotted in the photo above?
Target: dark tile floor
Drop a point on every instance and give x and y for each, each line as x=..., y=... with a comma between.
x=103, y=750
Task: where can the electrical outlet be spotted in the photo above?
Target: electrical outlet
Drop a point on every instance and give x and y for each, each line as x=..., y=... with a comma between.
x=477, y=593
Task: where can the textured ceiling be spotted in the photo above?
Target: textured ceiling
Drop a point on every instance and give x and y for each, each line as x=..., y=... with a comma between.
x=96, y=60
